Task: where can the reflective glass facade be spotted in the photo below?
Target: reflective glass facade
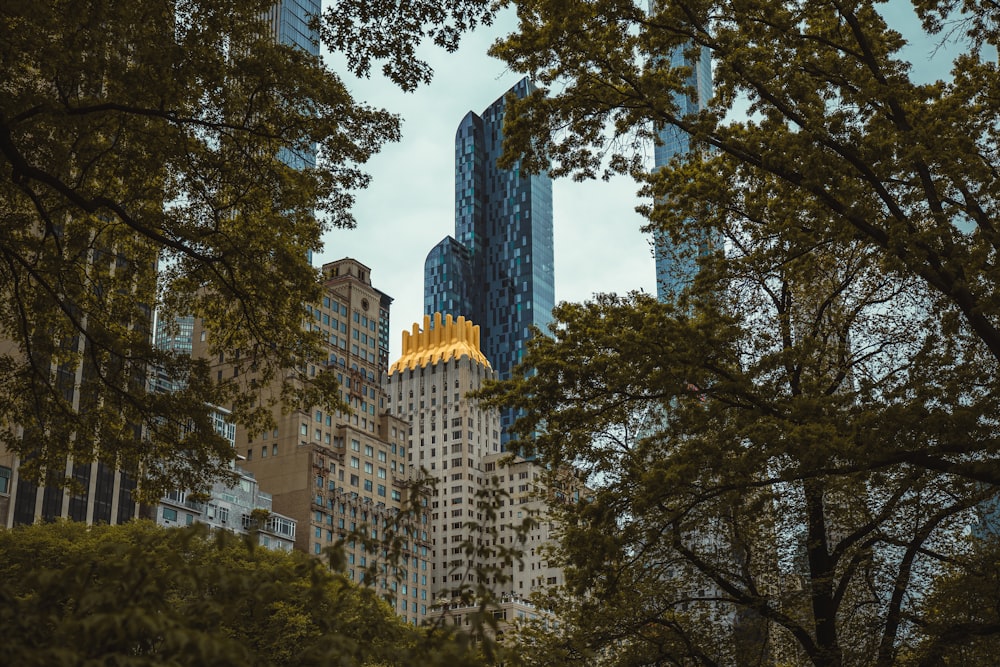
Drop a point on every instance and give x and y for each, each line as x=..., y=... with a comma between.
x=676, y=266
x=498, y=268
x=289, y=20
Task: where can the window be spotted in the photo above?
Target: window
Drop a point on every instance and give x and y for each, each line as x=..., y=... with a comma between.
x=368, y=448
x=169, y=514
x=355, y=462
x=368, y=485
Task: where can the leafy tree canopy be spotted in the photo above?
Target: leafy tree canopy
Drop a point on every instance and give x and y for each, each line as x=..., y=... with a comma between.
x=138, y=594
x=812, y=93
x=760, y=492
x=791, y=450
x=136, y=135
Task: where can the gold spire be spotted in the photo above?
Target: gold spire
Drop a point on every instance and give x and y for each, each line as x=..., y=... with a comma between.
x=447, y=339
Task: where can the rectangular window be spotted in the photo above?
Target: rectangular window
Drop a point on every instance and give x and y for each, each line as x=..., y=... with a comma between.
x=169, y=514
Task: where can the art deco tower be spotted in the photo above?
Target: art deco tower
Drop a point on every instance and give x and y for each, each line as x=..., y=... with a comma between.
x=497, y=270
x=456, y=442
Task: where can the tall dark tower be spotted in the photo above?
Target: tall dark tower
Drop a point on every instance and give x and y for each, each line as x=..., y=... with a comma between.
x=676, y=266
x=498, y=268
x=289, y=21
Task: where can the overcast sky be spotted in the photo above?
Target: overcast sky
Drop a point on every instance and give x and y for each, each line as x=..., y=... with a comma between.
x=409, y=205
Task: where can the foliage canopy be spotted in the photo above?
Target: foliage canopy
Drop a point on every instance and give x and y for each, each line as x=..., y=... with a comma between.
x=138, y=594
x=137, y=135
x=792, y=450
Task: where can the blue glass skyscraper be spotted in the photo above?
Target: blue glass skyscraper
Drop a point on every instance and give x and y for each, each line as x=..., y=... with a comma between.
x=676, y=266
x=497, y=270
x=289, y=21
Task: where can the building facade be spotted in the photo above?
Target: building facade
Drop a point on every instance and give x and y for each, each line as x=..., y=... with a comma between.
x=498, y=268
x=172, y=336
x=343, y=476
x=102, y=494
x=239, y=507
x=677, y=265
x=290, y=25
x=481, y=496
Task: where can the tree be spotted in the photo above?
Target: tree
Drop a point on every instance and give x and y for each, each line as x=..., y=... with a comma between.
x=961, y=612
x=136, y=135
x=752, y=447
x=821, y=146
x=812, y=93
x=138, y=594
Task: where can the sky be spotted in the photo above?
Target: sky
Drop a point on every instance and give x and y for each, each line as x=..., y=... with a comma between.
x=409, y=205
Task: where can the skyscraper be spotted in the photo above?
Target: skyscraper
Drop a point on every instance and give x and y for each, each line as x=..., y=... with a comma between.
x=289, y=21
x=498, y=268
x=676, y=265
x=456, y=442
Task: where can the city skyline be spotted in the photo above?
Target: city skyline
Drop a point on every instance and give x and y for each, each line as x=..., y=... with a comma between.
x=497, y=269
x=410, y=202
x=409, y=206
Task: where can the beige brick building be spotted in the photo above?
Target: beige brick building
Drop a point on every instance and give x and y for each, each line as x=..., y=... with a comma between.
x=345, y=473
x=456, y=442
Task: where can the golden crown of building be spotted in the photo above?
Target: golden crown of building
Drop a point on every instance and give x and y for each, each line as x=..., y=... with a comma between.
x=445, y=340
